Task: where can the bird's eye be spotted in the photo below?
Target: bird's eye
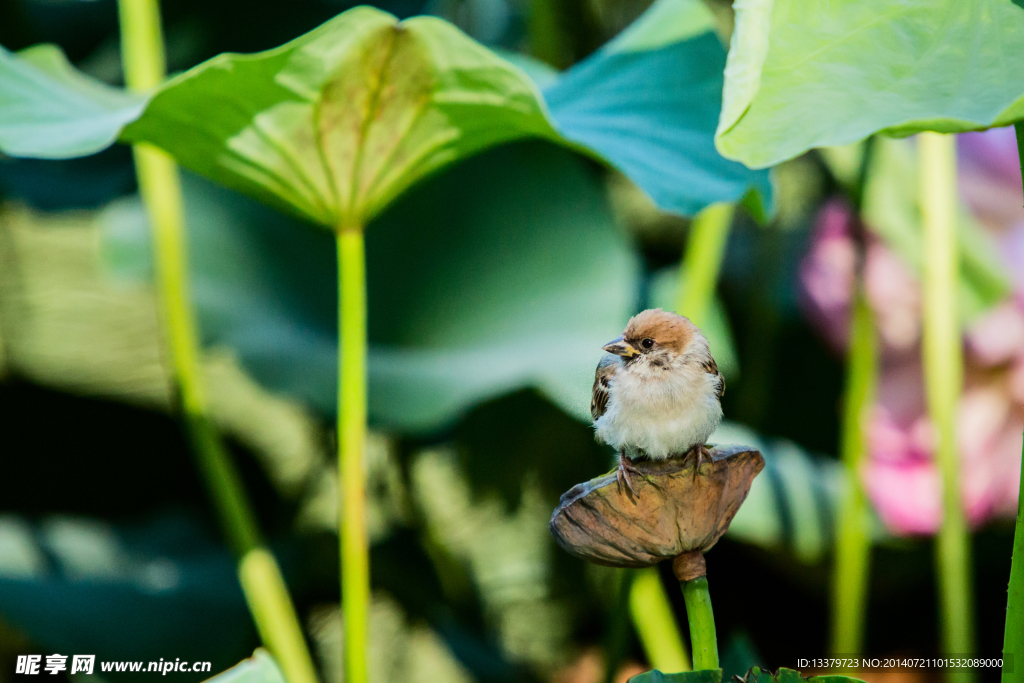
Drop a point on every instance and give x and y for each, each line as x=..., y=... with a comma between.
x=647, y=343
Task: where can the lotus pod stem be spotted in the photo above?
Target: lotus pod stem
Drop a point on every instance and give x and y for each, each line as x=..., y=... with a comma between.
x=702, y=623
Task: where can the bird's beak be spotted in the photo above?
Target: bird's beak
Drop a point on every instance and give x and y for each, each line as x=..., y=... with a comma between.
x=621, y=347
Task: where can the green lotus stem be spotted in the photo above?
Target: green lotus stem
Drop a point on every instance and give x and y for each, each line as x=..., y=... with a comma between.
x=355, y=555
x=943, y=371
x=1013, y=637
x=853, y=542
x=656, y=625
x=159, y=184
x=701, y=618
x=698, y=275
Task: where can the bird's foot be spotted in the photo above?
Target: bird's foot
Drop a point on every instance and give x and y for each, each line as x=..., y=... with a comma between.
x=701, y=453
x=625, y=467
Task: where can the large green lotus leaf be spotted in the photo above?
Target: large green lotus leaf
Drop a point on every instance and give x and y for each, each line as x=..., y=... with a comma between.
x=807, y=73
x=338, y=122
x=502, y=272
x=649, y=101
x=49, y=110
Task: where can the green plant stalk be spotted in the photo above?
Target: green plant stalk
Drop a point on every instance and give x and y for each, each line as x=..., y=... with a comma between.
x=853, y=541
x=352, y=391
x=160, y=186
x=701, y=618
x=943, y=371
x=1013, y=637
x=656, y=625
x=698, y=275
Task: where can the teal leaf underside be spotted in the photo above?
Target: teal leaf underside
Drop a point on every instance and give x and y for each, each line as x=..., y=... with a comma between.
x=49, y=110
x=649, y=102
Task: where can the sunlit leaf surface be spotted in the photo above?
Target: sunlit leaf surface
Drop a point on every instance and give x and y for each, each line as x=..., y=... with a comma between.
x=49, y=110
x=804, y=73
x=338, y=122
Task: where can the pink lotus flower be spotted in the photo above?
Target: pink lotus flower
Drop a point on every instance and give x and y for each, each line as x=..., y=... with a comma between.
x=901, y=476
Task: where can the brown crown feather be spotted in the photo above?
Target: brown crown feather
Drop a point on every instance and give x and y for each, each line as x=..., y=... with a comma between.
x=664, y=327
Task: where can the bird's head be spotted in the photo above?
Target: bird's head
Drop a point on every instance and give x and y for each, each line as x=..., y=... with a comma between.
x=657, y=338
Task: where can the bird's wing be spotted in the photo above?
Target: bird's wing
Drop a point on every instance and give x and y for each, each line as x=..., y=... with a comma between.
x=711, y=367
x=606, y=369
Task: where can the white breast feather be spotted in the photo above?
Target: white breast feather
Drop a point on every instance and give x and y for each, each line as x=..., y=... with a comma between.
x=659, y=413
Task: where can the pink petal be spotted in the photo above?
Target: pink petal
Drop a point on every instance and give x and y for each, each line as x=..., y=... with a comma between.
x=998, y=336
x=905, y=495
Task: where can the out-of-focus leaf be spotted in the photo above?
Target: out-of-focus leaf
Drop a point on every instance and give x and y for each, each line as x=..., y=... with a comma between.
x=649, y=102
x=50, y=110
x=135, y=593
x=508, y=551
x=402, y=649
x=66, y=323
x=794, y=502
x=509, y=280
x=891, y=209
x=503, y=272
x=664, y=294
x=337, y=123
x=703, y=676
x=804, y=74
x=260, y=668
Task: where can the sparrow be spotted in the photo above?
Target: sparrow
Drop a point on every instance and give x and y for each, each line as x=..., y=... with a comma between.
x=657, y=392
